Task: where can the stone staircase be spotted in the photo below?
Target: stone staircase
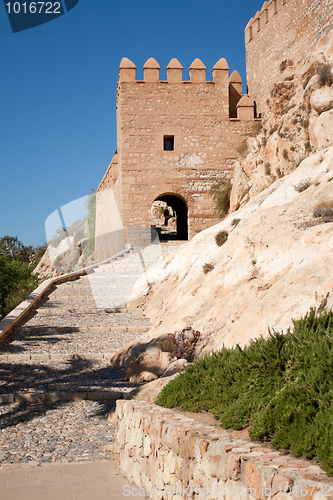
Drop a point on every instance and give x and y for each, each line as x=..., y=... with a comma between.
x=56, y=382
x=62, y=349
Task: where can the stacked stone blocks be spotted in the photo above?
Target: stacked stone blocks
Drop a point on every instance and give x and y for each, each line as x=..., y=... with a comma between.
x=171, y=456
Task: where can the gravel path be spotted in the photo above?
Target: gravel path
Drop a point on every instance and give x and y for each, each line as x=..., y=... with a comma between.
x=55, y=432
x=65, y=327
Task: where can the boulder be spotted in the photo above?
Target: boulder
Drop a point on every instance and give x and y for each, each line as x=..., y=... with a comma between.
x=175, y=367
x=322, y=99
x=240, y=188
x=148, y=358
x=321, y=130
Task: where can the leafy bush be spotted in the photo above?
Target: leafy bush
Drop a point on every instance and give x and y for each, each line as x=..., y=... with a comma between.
x=17, y=262
x=325, y=76
x=207, y=268
x=279, y=173
x=267, y=168
x=235, y=222
x=243, y=149
x=282, y=387
x=220, y=192
x=324, y=210
x=302, y=185
x=256, y=128
x=221, y=237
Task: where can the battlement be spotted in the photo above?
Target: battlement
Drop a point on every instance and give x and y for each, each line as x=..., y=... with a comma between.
x=174, y=70
x=227, y=90
x=262, y=17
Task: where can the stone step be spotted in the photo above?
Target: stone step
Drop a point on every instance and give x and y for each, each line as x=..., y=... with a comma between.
x=93, y=356
x=81, y=329
x=30, y=397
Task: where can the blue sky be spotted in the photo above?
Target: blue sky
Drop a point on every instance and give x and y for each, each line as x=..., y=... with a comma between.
x=58, y=89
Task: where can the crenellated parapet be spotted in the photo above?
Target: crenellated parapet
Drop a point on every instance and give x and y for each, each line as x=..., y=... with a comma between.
x=228, y=87
x=268, y=11
x=174, y=71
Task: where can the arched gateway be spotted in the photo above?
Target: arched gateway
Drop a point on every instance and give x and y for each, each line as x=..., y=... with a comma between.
x=174, y=139
x=171, y=217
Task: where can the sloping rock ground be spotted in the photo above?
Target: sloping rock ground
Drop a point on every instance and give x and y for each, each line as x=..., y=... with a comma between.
x=275, y=265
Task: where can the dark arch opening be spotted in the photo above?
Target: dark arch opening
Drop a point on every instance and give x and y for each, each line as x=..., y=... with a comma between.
x=180, y=210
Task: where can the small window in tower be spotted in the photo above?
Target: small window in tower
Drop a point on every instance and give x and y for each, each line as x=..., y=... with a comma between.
x=169, y=142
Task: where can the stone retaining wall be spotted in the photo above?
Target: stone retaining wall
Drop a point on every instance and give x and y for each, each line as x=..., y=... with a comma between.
x=170, y=456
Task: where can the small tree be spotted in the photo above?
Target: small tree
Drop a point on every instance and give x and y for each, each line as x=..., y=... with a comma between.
x=220, y=192
x=17, y=263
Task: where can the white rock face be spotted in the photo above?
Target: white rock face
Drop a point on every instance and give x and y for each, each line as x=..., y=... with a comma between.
x=322, y=99
x=321, y=130
x=275, y=265
x=240, y=188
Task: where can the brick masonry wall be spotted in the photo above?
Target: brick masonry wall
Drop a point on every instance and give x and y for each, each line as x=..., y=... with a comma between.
x=205, y=143
x=174, y=457
x=282, y=30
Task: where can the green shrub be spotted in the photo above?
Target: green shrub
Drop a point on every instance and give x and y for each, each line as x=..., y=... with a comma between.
x=207, y=268
x=302, y=185
x=324, y=210
x=282, y=387
x=17, y=262
x=308, y=147
x=235, y=222
x=325, y=76
x=279, y=173
x=243, y=149
x=221, y=237
x=305, y=123
x=267, y=168
x=220, y=192
x=256, y=128
x=285, y=154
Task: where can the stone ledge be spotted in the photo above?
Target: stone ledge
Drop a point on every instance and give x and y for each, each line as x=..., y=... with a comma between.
x=32, y=397
x=166, y=453
x=93, y=356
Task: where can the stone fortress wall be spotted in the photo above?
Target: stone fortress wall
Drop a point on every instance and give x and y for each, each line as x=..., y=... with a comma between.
x=282, y=33
x=174, y=138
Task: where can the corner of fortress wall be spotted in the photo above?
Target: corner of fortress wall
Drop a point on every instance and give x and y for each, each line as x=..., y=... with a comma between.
x=281, y=30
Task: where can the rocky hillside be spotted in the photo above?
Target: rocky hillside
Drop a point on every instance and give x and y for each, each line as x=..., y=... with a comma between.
x=277, y=259
x=276, y=263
